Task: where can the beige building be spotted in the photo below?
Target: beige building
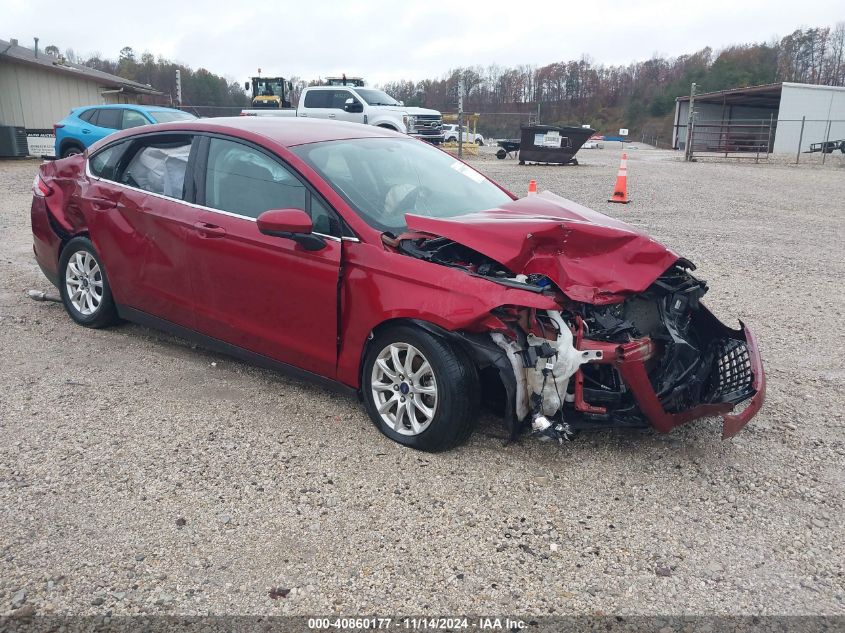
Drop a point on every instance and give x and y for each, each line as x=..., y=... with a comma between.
x=37, y=90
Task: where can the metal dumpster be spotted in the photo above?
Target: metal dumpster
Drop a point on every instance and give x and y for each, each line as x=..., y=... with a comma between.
x=552, y=144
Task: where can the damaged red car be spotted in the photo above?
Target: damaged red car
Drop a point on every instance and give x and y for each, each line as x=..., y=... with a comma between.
x=360, y=257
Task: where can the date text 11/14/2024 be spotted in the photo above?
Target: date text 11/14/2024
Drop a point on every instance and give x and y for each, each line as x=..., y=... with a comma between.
x=416, y=623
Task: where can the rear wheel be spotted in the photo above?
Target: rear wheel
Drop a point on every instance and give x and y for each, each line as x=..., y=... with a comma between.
x=479, y=142
x=418, y=390
x=84, y=286
x=71, y=149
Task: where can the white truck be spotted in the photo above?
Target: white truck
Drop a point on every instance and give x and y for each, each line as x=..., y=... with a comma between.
x=450, y=133
x=361, y=105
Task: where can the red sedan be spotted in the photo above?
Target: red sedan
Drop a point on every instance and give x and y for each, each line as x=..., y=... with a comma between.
x=360, y=257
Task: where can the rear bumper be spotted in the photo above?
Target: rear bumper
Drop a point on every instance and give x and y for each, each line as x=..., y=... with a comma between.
x=630, y=360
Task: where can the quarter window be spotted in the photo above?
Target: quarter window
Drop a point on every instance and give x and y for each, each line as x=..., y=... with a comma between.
x=247, y=182
x=159, y=165
x=88, y=115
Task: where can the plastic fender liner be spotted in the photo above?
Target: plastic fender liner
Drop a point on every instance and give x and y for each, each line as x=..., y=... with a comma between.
x=485, y=353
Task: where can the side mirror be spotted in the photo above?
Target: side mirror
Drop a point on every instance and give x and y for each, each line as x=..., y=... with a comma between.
x=246, y=86
x=353, y=105
x=293, y=224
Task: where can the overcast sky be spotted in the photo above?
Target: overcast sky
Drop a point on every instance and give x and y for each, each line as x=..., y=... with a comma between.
x=384, y=40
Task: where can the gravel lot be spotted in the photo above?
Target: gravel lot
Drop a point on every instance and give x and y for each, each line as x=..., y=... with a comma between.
x=141, y=475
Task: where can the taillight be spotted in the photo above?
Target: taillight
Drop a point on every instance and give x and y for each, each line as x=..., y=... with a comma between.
x=40, y=188
x=56, y=126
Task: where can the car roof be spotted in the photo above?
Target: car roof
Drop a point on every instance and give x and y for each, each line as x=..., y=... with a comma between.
x=127, y=106
x=282, y=130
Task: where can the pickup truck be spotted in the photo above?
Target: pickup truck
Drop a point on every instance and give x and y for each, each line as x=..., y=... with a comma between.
x=362, y=105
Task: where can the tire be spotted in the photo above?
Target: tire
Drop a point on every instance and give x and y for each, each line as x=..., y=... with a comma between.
x=449, y=389
x=71, y=149
x=479, y=142
x=81, y=267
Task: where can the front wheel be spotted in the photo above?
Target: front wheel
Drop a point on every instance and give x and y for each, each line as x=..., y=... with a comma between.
x=420, y=391
x=83, y=285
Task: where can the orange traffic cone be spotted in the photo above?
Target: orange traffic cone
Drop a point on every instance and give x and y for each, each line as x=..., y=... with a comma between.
x=532, y=187
x=620, y=193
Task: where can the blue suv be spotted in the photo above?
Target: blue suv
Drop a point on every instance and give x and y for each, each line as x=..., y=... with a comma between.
x=86, y=125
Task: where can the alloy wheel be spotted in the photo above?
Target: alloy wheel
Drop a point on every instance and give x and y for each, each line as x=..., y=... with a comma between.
x=84, y=282
x=404, y=389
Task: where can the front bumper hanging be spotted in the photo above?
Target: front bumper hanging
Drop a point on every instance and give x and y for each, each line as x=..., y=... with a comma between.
x=740, y=369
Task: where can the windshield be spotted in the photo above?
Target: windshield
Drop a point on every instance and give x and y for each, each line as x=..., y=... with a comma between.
x=268, y=87
x=168, y=116
x=376, y=97
x=385, y=178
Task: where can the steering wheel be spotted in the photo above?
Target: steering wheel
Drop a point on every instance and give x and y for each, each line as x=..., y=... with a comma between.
x=409, y=202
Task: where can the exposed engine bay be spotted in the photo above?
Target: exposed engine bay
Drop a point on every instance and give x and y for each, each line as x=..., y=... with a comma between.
x=658, y=356
x=446, y=252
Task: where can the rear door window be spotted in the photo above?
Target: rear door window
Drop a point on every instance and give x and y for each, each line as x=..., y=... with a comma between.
x=109, y=118
x=158, y=164
x=317, y=98
x=105, y=161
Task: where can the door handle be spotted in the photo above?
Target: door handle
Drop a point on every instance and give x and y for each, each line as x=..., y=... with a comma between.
x=332, y=116
x=101, y=204
x=209, y=230
x=86, y=131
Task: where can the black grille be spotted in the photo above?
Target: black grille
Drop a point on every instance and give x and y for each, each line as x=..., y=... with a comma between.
x=732, y=375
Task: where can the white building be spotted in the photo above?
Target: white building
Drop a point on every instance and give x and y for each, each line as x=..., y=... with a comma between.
x=822, y=109
x=37, y=90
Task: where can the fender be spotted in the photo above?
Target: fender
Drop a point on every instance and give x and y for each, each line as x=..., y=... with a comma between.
x=385, y=119
x=380, y=286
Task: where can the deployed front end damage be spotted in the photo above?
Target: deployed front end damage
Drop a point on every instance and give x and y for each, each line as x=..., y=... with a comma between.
x=660, y=357
x=641, y=351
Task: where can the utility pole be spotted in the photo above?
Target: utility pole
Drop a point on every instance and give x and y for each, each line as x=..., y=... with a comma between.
x=800, y=140
x=178, y=88
x=460, y=117
x=690, y=122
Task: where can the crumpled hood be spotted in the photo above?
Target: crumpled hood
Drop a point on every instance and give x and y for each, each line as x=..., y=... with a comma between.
x=591, y=257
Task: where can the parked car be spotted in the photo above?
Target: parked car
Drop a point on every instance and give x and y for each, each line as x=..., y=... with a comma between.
x=358, y=257
x=592, y=145
x=450, y=133
x=361, y=105
x=86, y=125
